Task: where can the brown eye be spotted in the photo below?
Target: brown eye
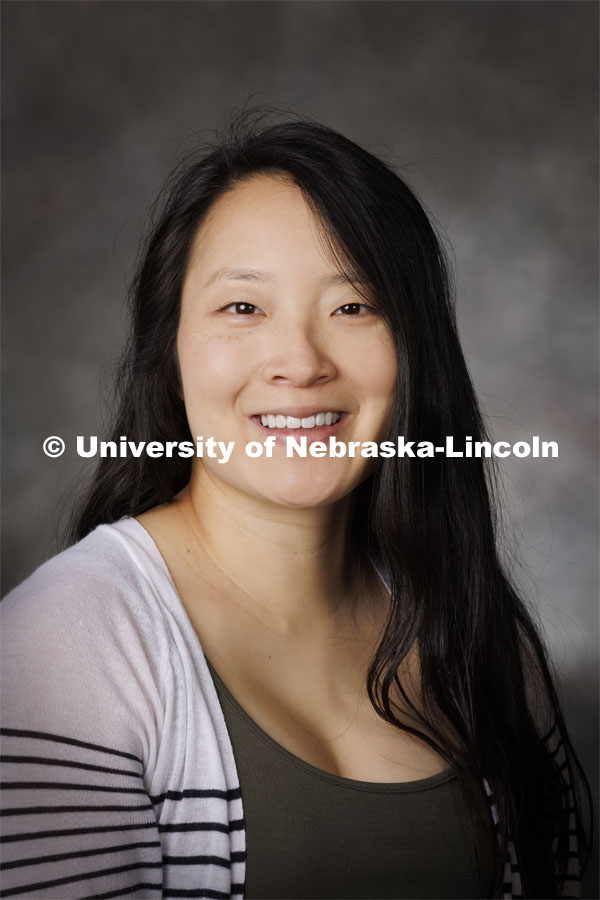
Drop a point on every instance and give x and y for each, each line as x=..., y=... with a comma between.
x=352, y=309
x=241, y=308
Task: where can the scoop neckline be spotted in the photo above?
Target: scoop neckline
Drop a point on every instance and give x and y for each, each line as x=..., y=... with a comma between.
x=401, y=787
x=420, y=784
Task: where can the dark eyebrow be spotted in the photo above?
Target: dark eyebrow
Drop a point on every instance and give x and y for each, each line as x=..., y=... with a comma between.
x=257, y=275
x=340, y=279
x=238, y=275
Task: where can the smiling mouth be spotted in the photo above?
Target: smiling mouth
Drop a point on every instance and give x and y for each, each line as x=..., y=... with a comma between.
x=318, y=420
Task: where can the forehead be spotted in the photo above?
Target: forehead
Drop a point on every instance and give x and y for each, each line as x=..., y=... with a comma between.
x=264, y=220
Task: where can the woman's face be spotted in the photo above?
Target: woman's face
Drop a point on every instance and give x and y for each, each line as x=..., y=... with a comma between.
x=269, y=328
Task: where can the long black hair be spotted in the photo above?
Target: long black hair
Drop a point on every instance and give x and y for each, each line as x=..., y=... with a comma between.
x=431, y=522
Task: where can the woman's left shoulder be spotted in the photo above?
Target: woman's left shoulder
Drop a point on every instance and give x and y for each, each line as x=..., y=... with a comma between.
x=539, y=688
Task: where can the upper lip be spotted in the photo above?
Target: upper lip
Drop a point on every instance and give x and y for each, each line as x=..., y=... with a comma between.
x=298, y=412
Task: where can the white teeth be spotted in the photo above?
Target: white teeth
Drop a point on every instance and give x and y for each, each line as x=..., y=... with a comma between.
x=268, y=420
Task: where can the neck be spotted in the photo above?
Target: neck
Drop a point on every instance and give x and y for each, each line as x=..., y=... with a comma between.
x=294, y=568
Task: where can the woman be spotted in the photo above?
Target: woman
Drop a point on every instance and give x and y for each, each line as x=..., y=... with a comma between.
x=284, y=676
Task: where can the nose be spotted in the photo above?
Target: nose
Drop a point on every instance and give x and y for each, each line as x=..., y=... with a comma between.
x=298, y=356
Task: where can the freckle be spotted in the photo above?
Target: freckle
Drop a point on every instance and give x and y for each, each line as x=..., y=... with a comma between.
x=188, y=550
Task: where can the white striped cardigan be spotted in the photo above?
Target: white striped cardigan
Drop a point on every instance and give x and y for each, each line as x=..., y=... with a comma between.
x=118, y=774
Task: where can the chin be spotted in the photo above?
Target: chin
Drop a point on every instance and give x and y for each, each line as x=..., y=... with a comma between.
x=303, y=502
x=307, y=490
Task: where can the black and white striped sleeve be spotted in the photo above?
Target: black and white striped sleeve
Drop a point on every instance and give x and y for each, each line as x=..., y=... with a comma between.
x=78, y=709
x=550, y=733
x=556, y=747
x=76, y=820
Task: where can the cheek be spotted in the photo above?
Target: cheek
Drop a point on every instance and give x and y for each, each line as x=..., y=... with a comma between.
x=388, y=365
x=213, y=370
x=375, y=368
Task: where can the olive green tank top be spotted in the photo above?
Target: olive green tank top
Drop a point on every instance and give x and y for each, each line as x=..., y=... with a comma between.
x=311, y=834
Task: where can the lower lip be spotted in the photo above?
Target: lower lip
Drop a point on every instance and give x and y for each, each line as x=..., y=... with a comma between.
x=318, y=433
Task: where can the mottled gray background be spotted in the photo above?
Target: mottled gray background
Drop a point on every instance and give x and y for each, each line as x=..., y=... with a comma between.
x=490, y=110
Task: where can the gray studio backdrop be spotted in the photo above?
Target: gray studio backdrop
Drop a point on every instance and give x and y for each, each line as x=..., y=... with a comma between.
x=490, y=111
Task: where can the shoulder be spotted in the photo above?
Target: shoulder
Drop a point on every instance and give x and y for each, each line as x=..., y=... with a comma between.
x=540, y=691
x=84, y=639
x=107, y=573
